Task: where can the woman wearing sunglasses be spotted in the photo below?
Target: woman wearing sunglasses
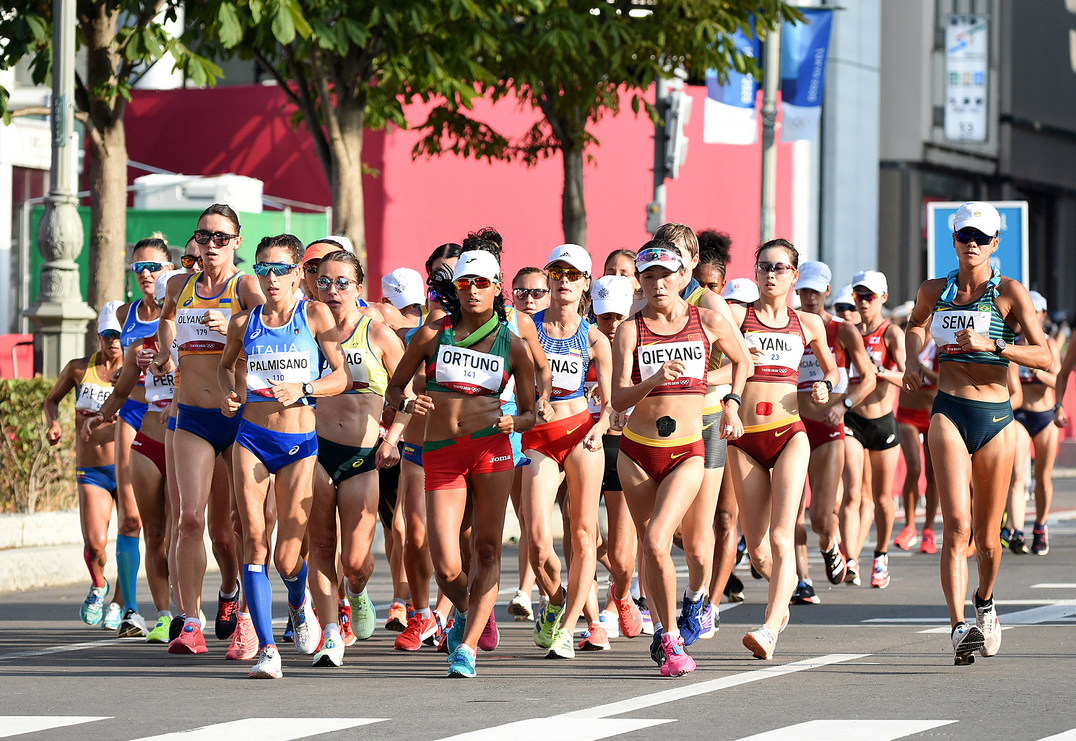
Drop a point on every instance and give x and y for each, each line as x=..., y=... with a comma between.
x=95, y=457
x=974, y=314
x=470, y=355
x=195, y=314
x=284, y=342
x=768, y=464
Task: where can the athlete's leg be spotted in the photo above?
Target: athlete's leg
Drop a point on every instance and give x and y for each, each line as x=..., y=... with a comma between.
x=883, y=471
x=357, y=500
x=225, y=531
x=149, y=490
x=540, y=484
x=930, y=493
x=725, y=538
x=194, y=487
x=786, y=492
x=852, y=506
x=1045, y=455
x=824, y=471
x=990, y=469
x=322, y=573
x=583, y=470
x=526, y=571
x=129, y=522
x=490, y=501
x=952, y=472
x=913, y=468
x=293, y=500
x=445, y=512
x=621, y=548
x=95, y=511
x=751, y=482
x=401, y=591
x=416, y=551
x=698, y=531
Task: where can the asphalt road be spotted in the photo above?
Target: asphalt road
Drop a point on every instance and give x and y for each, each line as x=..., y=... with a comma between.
x=865, y=664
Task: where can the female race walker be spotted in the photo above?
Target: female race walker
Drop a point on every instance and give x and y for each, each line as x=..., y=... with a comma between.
x=769, y=463
x=470, y=355
x=973, y=313
x=283, y=341
x=660, y=363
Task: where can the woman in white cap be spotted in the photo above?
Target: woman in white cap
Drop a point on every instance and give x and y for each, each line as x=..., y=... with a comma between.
x=95, y=460
x=660, y=369
x=974, y=314
x=741, y=291
x=405, y=290
x=871, y=430
x=569, y=443
x=469, y=355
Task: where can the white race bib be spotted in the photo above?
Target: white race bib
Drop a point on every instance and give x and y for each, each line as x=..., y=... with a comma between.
x=779, y=349
x=946, y=324
x=567, y=372
x=91, y=397
x=691, y=354
x=468, y=371
x=290, y=366
x=193, y=336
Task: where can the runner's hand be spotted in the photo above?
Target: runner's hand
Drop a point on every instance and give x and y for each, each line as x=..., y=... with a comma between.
x=423, y=405
x=161, y=365
x=54, y=432
x=670, y=371
x=545, y=410
x=731, y=426
x=506, y=423
x=144, y=358
x=1060, y=418
x=230, y=405
x=593, y=440
x=287, y=393
x=216, y=321
x=387, y=455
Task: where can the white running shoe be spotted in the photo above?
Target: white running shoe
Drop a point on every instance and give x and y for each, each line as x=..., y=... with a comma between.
x=331, y=652
x=986, y=619
x=133, y=625
x=611, y=622
x=966, y=641
x=268, y=665
x=761, y=642
x=113, y=615
x=305, y=624
x=520, y=607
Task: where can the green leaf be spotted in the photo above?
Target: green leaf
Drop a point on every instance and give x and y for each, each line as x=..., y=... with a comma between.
x=283, y=26
x=229, y=29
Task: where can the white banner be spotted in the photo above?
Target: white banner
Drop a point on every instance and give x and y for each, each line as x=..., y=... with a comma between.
x=966, y=45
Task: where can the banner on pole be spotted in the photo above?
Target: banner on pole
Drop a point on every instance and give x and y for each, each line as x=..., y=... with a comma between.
x=729, y=116
x=804, y=47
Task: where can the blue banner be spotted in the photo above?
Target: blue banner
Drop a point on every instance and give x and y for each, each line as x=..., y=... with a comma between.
x=1011, y=257
x=804, y=48
x=729, y=116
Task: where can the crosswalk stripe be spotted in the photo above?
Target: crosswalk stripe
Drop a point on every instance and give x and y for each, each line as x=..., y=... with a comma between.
x=1063, y=736
x=542, y=729
x=265, y=729
x=832, y=730
x=14, y=725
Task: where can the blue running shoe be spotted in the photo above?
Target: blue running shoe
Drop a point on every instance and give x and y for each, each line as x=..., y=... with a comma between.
x=461, y=663
x=454, y=637
x=93, y=607
x=690, y=620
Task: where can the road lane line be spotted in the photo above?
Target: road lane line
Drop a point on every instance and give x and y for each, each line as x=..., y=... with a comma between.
x=15, y=725
x=1058, y=585
x=576, y=729
x=827, y=730
x=266, y=729
x=57, y=649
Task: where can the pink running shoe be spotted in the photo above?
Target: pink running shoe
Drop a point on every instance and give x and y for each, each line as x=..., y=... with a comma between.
x=677, y=662
x=907, y=538
x=928, y=543
x=244, y=646
x=490, y=635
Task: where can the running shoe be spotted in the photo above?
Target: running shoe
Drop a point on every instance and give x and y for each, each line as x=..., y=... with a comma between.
x=610, y=622
x=1040, y=545
x=986, y=620
x=189, y=641
x=363, y=615
x=644, y=611
x=438, y=635
x=93, y=607
x=734, y=589
x=343, y=619
x=805, y=595
x=835, y=565
x=113, y=615
x=330, y=652
x=907, y=538
x=629, y=617
x=461, y=663
x=397, y=619
x=755, y=573
x=288, y=636
x=307, y=627
x=159, y=634
x=545, y=627
x=133, y=625
x=594, y=638
x=709, y=626
x=244, y=645
x=677, y=663
x=880, y=572
x=418, y=631
x=741, y=549
x=227, y=615
x=175, y=628
x=490, y=637
x=454, y=635
x=442, y=643
x=657, y=650
x=928, y=542
x=1017, y=544
x=1006, y=535
x=761, y=642
x=268, y=664
x=851, y=573
x=520, y=607
x=563, y=645
x=690, y=620
x=966, y=641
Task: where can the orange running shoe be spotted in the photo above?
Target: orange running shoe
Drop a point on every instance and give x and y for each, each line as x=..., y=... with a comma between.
x=595, y=639
x=631, y=620
x=907, y=538
x=928, y=543
x=189, y=641
x=344, y=619
x=397, y=617
x=244, y=646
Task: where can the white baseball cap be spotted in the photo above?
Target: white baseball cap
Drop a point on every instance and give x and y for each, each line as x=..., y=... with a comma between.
x=478, y=264
x=978, y=215
x=403, y=287
x=107, y=319
x=871, y=279
x=160, y=287
x=815, y=276
x=1038, y=301
x=572, y=254
x=612, y=294
x=660, y=257
x=844, y=296
x=744, y=290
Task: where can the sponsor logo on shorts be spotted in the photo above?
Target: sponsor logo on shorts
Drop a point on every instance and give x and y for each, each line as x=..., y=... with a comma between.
x=682, y=453
x=357, y=463
x=835, y=434
x=778, y=434
x=294, y=450
x=891, y=438
x=706, y=427
x=500, y=458
x=569, y=432
x=998, y=419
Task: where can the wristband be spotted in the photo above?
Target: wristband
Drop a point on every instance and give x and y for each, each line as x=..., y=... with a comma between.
x=732, y=397
x=1056, y=407
x=404, y=409
x=829, y=384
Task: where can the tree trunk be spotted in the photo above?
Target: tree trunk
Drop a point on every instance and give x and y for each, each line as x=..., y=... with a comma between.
x=349, y=207
x=573, y=211
x=108, y=213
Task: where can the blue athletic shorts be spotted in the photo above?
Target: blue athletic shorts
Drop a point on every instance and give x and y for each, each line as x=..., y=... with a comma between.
x=209, y=424
x=172, y=423
x=102, y=476
x=412, y=452
x=132, y=413
x=516, y=438
x=276, y=449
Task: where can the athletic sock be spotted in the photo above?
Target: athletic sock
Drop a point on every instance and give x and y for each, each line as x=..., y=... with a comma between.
x=424, y=613
x=296, y=587
x=89, y=559
x=981, y=603
x=692, y=595
x=163, y=614
x=330, y=629
x=956, y=628
x=878, y=554
x=674, y=633
x=228, y=597
x=259, y=601
x=127, y=563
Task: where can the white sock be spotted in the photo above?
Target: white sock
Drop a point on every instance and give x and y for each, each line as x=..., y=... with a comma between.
x=425, y=613
x=164, y=613
x=330, y=629
x=674, y=633
x=692, y=595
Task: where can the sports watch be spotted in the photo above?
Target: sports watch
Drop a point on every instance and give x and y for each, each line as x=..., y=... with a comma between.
x=999, y=346
x=847, y=403
x=308, y=389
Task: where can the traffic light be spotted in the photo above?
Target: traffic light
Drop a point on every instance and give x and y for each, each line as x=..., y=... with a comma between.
x=677, y=114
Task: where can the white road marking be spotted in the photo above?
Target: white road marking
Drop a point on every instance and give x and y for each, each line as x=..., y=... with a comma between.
x=266, y=729
x=541, y=729
x=1059, y=585
x=836, y=730
x=57, y=649
x=14, y=725
x=1039, y=614
x=1069, y=735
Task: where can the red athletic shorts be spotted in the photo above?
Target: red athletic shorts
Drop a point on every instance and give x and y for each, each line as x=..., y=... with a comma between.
x=558, y=438
x=448, y=464
x=765, y=442
x=819, y=433
x=659, y=457
x=152, y=449
x=917, y=418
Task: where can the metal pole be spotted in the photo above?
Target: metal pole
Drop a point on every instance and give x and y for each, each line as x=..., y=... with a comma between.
x=655, y=210
x=771, y=77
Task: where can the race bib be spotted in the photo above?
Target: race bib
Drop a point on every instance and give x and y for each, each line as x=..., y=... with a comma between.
x=91, y=397
x=691, y=354
x=810, y=371
x=289, y=366
x=193, y=336
x=360, y=369
x=567, y=373
x=468, y=371
x=946, y=324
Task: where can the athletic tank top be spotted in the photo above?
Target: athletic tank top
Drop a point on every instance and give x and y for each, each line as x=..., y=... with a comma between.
x=134, y=328
x=92, y=392
x=288, y=353
x=874, y=342
x=690, y=346
x=368, y=375
x=782, y=347
x=693, y=292
x=159, y=391
x=811, y=371
x=466, y=371
x=569, y=359
x=982, y=315
x=193, y=337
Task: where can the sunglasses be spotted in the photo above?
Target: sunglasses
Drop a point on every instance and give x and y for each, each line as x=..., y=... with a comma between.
x=570, y=273
x=110, y=334
x=202, y=237
x=967, y=237
x=188, y=261
x=842, y=308
x=655, y=254
x=341, y=283
x=777, y=268
x=311, y=266
x=535, y=293
x=276, y=268
x=143, y=265
x=865, y=295
x=462, y=284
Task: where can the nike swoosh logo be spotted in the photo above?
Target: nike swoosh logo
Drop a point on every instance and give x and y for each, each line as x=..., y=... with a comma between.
x=778, y=434
x=706, y=427
x=835, y=434
x=674, y=456
x=569, y=432
x=998, y=419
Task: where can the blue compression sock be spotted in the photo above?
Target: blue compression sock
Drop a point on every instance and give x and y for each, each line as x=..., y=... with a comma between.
x=296, y=587
x=127, y=563
x=259, y=602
